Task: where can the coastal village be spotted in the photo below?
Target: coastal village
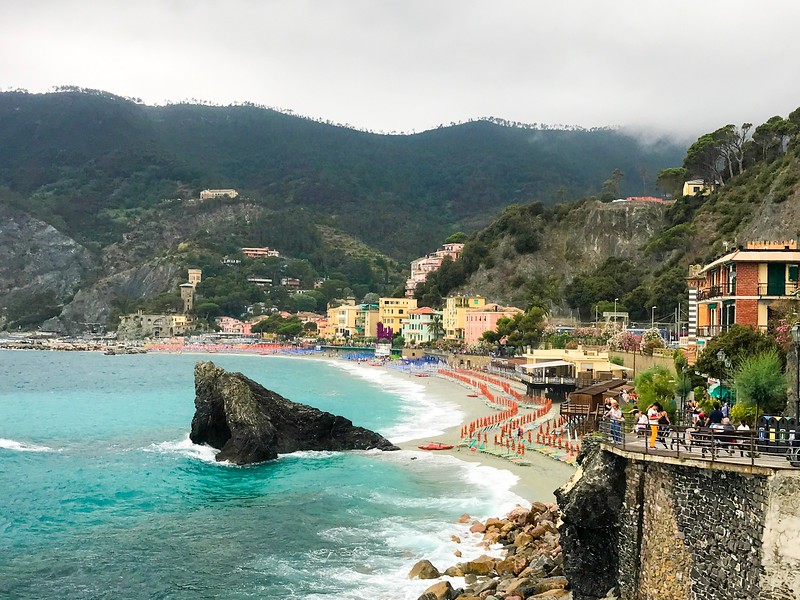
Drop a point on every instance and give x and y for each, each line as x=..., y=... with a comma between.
x=435, y=301
x=561, y=401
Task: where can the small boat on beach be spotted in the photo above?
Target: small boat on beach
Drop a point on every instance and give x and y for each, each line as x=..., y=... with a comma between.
x=436, y=446
x=472, y=395
x=421, y=375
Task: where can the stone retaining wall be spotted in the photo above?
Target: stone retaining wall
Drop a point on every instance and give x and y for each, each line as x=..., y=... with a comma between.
x=682, y=530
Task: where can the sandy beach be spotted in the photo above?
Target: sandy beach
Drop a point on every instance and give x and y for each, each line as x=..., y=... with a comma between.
x=537, y=481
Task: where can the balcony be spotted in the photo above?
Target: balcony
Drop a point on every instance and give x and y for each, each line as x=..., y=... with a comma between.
x=715, y=291
x=779, y=288
x=712, y=330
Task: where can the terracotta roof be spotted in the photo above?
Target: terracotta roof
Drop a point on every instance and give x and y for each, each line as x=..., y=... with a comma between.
x=423, y=310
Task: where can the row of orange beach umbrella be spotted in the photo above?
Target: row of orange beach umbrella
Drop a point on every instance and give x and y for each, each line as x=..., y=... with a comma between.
x=512, y=432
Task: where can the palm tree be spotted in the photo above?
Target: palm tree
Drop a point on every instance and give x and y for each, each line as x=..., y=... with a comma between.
x=436, y=327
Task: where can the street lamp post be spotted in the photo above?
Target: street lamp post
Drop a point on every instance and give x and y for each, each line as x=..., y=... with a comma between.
x=652, y=317
x=796, y=340
x=723, y=358
x=615, y=312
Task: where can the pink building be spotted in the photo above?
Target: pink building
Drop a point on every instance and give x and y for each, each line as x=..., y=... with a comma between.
x=233, y=326
x=428, y=264
x=480, y=320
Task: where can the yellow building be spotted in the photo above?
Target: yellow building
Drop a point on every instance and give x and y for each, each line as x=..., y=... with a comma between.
x=697, y=186
x=454, y=317
x=342, y=322
x=393, y=312
x=569, y=364
x=367, y=321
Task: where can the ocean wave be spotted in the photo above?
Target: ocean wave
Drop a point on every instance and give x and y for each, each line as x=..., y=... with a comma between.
x=187, y=448
x=490, y=487
x=23, y=446
x=422, y=414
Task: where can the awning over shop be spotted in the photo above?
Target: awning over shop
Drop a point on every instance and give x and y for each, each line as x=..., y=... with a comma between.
x=547, y=365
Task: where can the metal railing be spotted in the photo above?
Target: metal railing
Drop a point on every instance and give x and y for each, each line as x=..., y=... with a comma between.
x=764, y=447
x=788, y=288
x=715, y=291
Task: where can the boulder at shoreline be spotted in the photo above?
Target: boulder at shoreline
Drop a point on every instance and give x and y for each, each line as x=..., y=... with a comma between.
x=248, y=423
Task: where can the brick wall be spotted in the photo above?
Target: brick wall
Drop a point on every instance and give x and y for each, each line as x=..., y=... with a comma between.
x=747, y=285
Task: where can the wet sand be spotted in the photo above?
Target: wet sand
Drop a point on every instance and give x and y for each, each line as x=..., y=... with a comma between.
x=536, y=482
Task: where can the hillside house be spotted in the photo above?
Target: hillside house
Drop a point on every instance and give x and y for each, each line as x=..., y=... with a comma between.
x=209, y=194
x=741, y=287
x=422, y=267
x=698, y=186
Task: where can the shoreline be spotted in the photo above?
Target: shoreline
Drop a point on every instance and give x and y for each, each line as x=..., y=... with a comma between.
x=535, y=482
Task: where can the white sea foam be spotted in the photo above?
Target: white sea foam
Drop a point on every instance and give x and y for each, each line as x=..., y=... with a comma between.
x=187, y=448
x=492, y=496
x=422, y=414
x=379, y=577
x=22, y=446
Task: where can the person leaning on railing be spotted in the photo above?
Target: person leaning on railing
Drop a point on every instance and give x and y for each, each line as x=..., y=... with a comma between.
x=615, y=415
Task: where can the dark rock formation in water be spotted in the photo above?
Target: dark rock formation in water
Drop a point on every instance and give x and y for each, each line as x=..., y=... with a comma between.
x=249, y=423
x=591, y=508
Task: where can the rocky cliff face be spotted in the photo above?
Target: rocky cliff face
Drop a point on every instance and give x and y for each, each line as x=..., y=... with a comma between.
x=580, y=242
x=249, y=423
x=95, y=303
x=36, y=260
x=591, y=507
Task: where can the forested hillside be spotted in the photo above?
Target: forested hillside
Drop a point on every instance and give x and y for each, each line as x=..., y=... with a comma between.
x=575, y=259
x=82, y=160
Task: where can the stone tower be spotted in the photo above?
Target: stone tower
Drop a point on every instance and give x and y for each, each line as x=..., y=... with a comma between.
x=187, y=295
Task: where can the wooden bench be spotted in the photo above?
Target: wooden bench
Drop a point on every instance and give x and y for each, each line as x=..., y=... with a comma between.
x=713, y=440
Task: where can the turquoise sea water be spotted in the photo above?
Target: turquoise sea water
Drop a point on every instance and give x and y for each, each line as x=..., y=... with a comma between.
x=103, y=496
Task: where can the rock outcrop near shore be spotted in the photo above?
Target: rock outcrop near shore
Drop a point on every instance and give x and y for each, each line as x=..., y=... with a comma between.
x=532, y=568
x=249, y=423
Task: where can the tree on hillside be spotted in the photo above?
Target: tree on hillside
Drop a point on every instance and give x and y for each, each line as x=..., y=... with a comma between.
x=612, y=186
x=772, y=137
x=670, y=181
x=459, y=237
x=733, y=142
x=612, y=279
x=704, y=159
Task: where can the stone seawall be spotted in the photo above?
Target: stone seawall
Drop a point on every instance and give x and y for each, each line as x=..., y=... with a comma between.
x=660, y=528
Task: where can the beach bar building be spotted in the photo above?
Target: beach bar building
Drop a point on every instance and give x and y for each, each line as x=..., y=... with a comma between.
x=558, y=372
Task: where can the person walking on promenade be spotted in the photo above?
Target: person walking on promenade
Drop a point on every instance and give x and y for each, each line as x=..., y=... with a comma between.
x=615, y=415
x=652, y=417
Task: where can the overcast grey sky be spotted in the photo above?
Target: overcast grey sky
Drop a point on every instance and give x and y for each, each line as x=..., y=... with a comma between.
x=684, y=66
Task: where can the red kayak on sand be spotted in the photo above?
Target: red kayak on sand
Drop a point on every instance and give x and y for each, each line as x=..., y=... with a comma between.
x=436, y=446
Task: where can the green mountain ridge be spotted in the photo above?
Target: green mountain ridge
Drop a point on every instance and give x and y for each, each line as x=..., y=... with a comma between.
x=117, y=177
x=75, y=155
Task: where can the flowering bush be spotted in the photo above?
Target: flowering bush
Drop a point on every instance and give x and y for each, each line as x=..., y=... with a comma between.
x=651, y=338
x=624, y=340
x=783, y=334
